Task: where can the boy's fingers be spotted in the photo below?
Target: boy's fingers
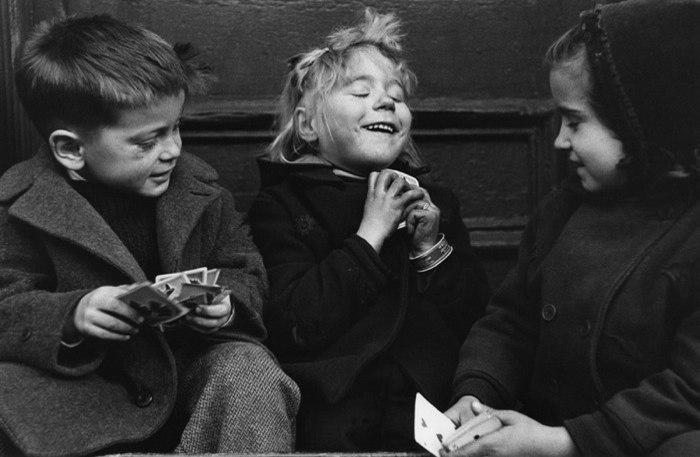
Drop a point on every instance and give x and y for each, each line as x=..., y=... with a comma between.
x=121, y=310
x=114, y=324
x=214, y=311
x=99, y=332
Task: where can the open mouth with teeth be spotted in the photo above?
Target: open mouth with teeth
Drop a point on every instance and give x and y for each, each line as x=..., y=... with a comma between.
x=381, y=127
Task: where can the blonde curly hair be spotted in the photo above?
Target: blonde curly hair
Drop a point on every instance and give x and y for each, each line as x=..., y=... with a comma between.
x=314, y=74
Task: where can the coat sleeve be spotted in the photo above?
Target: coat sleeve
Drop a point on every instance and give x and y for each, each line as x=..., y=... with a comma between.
x=242, y=270
x=497, y=358
x=458, y=288
x=32, y=316
x=313, y=297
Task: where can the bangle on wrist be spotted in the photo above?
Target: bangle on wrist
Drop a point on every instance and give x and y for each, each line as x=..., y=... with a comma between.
x=433, y=256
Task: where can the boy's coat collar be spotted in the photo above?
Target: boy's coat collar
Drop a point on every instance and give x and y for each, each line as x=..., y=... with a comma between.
x=45, y=200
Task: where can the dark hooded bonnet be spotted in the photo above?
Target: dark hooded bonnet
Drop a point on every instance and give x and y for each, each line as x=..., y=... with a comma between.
x=645, y=58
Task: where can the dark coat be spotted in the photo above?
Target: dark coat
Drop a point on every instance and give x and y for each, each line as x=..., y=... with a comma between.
x=598, y=327
x=54, y=248
x=336, y=305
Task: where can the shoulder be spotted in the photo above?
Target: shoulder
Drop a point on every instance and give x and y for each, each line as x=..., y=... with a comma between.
x=192, y=166
x=20, y=177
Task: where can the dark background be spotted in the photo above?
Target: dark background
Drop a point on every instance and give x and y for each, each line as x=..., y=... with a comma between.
x=482, y=115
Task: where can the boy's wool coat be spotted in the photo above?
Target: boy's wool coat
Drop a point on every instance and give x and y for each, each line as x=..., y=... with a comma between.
x=55, y=248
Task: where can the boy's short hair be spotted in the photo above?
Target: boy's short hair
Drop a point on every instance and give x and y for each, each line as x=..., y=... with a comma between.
x=81, y=72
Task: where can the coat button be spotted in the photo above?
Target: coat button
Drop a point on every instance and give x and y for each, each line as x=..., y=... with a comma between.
x=548, y=312
x=585, y=328
x=26, y=334
x=144, y=397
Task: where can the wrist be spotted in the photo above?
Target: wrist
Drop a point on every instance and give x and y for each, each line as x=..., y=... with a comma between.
x=371, y=237
x=563, y=444
x=433, y=257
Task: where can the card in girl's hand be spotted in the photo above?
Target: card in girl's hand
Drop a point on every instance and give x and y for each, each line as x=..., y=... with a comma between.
x=411, y=180
x=431, y=427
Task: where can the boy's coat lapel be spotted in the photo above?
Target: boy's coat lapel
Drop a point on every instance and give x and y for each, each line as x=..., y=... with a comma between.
x=52, y=206
x=44, y=200
x=179, y=211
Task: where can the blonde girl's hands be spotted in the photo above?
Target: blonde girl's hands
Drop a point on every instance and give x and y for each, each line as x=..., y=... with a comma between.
x=100, y=314
x=210, y=318
x=520, y=436
x=422, y=223
x=388, y=197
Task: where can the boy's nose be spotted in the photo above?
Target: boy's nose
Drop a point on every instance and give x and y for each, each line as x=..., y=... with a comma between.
x=172, y=148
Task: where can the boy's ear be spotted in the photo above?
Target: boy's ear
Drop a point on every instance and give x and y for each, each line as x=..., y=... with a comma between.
x=67, y=149
x=305, y=124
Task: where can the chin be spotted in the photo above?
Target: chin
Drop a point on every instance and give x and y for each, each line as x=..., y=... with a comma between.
x=155, y=191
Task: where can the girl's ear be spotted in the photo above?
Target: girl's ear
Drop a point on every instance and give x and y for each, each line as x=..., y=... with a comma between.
x=305, y=124
x=67, y=148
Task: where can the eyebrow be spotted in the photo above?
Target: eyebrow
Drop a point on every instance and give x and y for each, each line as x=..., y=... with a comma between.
x=565, y=111
x=368, y=78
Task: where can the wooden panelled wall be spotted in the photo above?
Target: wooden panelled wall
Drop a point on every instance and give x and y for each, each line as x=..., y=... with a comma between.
x=482, y=115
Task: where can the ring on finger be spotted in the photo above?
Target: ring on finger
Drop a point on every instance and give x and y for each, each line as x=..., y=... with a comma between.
x=425, y=206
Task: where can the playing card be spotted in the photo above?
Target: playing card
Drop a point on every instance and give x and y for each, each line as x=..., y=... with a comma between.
x=201, y=294
x=431, y=427
x=410, y=180
x=197, y=275
x=172, y=285
x=472, y=430
x=152, y=304
x=213, y=276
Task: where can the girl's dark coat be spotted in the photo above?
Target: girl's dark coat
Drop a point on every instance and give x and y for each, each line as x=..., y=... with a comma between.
x=335, y=304
x=598, y=328
x=55, y=248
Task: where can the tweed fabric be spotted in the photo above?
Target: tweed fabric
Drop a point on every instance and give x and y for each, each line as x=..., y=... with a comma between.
x=238, y=400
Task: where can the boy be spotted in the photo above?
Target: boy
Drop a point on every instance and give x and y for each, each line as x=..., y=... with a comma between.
x=111, y=201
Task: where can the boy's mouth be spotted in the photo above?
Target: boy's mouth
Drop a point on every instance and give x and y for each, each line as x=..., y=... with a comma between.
x=161, y=174
x=381, y=127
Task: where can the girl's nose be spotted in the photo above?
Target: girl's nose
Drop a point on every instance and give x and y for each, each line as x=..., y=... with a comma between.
x=385, y=102
x=562, y=141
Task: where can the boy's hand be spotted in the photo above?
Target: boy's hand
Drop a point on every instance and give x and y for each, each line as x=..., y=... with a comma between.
x=100, y=314
x=388, y=196
x=210, y=318
x=422, y=223
x=519, y=436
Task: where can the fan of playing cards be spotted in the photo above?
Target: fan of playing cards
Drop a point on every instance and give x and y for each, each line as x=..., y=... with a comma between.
x=174, y=295
x=434, y=431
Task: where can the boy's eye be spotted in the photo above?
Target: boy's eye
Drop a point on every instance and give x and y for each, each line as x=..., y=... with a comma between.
x=148, y=144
